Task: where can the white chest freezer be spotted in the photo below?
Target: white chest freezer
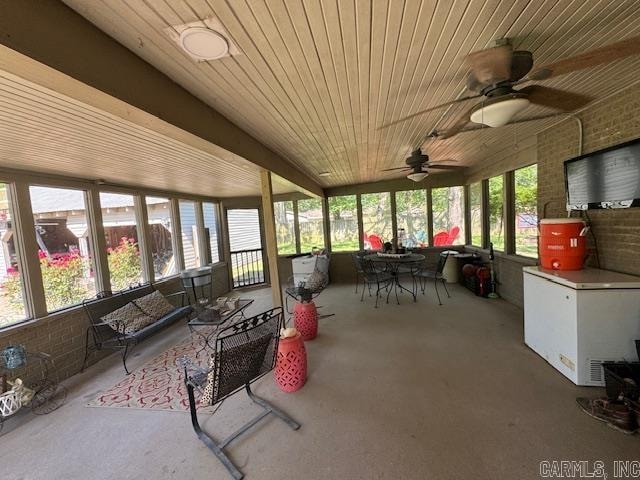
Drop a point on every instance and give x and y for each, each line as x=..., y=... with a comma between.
x=576, y=320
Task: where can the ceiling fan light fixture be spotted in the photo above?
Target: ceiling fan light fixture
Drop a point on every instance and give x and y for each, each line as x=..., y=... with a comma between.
x=203, y=43
x=417, y=176
x=501, y=112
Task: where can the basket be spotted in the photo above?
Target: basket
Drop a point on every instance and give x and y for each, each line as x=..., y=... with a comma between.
x=9, y=403
x=622, y=379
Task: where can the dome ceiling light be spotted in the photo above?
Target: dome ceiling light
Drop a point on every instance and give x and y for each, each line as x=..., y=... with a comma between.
x=203, y=43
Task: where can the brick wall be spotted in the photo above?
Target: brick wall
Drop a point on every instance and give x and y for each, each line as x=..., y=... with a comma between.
x=62, y=335
x=610, y=122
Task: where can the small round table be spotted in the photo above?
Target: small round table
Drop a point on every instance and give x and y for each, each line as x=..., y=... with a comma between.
x=394, y=263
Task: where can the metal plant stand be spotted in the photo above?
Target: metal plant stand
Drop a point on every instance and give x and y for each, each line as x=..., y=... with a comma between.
x=49, y=394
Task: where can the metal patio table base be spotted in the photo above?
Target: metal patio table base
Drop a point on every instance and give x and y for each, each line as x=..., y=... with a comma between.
x=393, y=266
x=218, y=448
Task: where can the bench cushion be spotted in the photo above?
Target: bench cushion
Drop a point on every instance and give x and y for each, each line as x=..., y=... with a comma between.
x=176, y=314
x=155, y=305
x=128, y=319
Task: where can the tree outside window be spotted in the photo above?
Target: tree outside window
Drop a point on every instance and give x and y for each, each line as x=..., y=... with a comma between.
x=376, y=220
x=411, y=214
x=311, y=224
x=526, y=210
x=496, y=212
x=475, y=206
x=343, y=211
x=447, y=206
x=285, y=227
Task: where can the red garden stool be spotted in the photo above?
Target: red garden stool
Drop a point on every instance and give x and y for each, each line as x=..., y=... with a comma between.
x=305, y=319
x=291, y=364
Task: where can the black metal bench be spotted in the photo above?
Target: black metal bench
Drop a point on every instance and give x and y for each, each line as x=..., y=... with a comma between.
x=106, y=337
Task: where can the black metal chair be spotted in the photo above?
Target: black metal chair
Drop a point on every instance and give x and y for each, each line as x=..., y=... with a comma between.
x=422, y=275
x=358, y=267
x=244, y=352
x=372, y=276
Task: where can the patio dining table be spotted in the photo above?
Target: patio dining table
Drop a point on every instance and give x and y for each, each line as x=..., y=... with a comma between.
x=394, y=262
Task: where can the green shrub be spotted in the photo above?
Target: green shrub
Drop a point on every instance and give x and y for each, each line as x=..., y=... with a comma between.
x=124, y=264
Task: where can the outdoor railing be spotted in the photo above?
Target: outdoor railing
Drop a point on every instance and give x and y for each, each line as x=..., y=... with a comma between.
x=247, y=267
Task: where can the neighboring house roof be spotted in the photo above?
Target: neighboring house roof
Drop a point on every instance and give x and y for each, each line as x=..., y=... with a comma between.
x=46, y=200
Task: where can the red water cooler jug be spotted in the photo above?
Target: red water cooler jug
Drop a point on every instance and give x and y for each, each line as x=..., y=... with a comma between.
x=563, y=243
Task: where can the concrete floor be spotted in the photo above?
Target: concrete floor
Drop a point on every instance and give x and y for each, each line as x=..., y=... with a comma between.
x=412, y=391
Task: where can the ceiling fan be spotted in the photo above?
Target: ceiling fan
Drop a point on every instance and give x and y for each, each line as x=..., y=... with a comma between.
x=495, y=71
x=418, y=164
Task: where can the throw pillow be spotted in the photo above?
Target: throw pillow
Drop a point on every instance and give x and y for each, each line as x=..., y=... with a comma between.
x=127, y=319
x=154, y=305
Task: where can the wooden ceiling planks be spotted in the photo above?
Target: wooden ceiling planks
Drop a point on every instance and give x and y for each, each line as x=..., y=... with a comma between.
x=46, y=132
x=317, y=78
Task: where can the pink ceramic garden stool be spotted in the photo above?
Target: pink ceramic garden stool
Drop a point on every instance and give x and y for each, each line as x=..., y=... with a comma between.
x=291, y=364
x=305, y=319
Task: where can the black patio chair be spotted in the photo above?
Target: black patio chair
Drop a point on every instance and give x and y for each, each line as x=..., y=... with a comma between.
x=244, y=352
x=356, y=257
x=422, y=275
x=372, y=276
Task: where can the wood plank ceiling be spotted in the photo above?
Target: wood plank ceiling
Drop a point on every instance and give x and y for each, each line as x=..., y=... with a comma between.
x=49, y=133
x=315, y=79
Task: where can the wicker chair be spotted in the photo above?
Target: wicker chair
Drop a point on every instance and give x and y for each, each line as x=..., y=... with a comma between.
x=244, y=352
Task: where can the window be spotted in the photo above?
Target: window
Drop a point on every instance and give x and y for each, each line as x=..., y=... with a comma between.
x=310, y=224
x=475, y=206
x=411, y=214
x=65, y=252
x=285, y=227
x=121, y=238
x=189, y=231
x=376, y=220
x=526, y=209
x=344, y=223
x=160, y=226
x=211, y=231
x=11, y=292
x=447, y=206
x=496, y=212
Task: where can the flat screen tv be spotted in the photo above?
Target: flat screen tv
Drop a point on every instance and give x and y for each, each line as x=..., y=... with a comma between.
x=607, y=178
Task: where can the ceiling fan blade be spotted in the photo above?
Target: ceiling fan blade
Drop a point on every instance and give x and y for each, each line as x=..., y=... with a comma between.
x=445, y=167
x=396, y=168
x=457, y=127
x=555, y=98
x=592, y=58
x=491, y=65
x=422, y=112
